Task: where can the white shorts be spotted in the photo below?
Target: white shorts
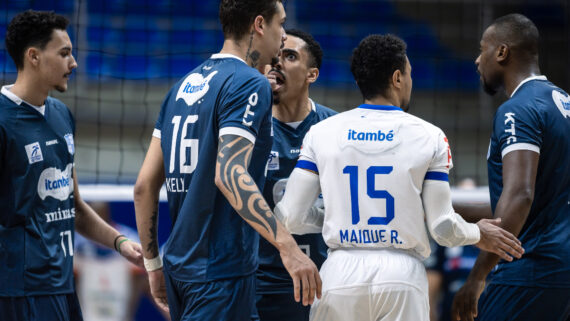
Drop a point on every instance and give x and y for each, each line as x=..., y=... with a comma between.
x=372, y=285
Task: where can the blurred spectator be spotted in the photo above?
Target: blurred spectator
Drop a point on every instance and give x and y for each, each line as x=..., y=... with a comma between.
x=109, y=288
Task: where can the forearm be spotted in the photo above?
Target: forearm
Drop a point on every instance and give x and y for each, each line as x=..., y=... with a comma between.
x=296, y=210
x=446, y=227
x=473, y=212
x=146, y=197
x=512, y=208
x=146, y=209
x=89, y=224
x=241, y=191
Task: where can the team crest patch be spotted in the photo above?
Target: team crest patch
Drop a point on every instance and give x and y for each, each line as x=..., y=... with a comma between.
x=34, y=153
x=273, y=161
x=70, y=143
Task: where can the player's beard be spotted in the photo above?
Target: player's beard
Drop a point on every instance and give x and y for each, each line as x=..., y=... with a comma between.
x=490, y=90
x=61, y=89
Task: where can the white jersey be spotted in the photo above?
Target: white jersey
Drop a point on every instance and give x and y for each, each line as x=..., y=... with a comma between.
x=372, y=162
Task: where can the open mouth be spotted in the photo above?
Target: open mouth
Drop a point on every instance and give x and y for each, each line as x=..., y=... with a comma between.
x=279, y=78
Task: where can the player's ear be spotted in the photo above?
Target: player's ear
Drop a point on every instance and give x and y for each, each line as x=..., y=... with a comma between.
x=312, y=75
x=32, y=55
x=503, y=52
x=397, y=78
x=258, y=24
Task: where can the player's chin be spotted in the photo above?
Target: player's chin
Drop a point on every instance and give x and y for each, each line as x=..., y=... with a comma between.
x=61, y=87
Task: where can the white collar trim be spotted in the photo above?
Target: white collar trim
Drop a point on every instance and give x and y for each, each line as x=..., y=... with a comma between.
x=313, y=107
x=6, y=92
x=225, y=55
x=527, y=80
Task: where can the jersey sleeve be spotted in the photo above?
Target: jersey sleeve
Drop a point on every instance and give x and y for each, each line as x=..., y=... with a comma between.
x=307, y=159
x=244, y=108
x=517, y=128
x=157, y=132
x=442, y=161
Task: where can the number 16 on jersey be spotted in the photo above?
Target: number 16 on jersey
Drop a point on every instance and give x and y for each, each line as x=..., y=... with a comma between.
x=187, y=146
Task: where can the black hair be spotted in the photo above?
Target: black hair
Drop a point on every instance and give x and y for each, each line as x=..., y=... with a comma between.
x=31, y=29
x=236, y=16
x=313, y=48
x=518, y=32
x=374, y=61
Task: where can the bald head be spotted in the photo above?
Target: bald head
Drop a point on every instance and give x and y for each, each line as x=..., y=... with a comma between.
x=517, y=32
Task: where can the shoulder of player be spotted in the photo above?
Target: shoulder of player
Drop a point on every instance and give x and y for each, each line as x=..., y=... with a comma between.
x=58, y=106
x=428, y=127
x=531, y=95
x=323, y=111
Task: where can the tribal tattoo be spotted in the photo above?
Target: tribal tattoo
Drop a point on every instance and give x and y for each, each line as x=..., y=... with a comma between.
x=234, y=154
x=153, y=244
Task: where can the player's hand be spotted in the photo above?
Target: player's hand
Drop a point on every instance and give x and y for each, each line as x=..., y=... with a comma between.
x=496, y=240
x=272, y=79
x=158, y=289
x=304, y=272
x=466, y=300
x=132, y=251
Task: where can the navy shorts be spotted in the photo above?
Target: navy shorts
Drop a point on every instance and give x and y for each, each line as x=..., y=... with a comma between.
x=57, y=307
x=281, y=307
x=222, y=300
x=519, y=303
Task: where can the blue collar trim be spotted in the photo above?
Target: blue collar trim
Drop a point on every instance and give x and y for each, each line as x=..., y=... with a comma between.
x=379, y=107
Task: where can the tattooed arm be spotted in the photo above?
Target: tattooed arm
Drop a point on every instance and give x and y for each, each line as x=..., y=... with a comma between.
x=147, y=189
x=239, y=188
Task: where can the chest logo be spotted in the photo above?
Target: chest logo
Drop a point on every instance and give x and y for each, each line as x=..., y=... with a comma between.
x=194, y=87
x=56, y=183
x=34, y=152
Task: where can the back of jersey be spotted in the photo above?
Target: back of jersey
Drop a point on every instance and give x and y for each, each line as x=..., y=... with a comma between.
x=222, y=96
x=372, y=162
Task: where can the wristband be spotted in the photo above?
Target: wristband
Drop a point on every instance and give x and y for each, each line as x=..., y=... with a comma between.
x=115, y=241
x=152, y=264
x=119, y=245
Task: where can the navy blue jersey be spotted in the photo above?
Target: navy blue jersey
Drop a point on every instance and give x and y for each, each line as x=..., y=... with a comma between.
x=272, y=276
x=209, y=240
x=37, y=210
x=537, y=118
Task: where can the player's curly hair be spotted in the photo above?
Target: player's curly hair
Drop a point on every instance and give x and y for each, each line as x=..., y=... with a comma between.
x=374, y=61
x=31, y=29
x=237, y=15
x=313, y=47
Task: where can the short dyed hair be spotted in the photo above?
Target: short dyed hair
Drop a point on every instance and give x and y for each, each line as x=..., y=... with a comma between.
x=313, y=48
x=236, y=16
x=374, y=61
x=31, y=29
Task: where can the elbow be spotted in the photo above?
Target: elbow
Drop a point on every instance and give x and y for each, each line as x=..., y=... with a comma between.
x=141, y=191
x=522, y=196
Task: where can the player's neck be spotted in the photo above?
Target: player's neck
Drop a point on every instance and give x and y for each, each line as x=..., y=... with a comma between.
x=29, y=89
x=291, y=111
x=240, y=50
x=383, y=101
x=514, y=78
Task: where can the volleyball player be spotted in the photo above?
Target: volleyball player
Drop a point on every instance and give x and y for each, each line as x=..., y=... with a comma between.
x=39, y=198
x=210, y=144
